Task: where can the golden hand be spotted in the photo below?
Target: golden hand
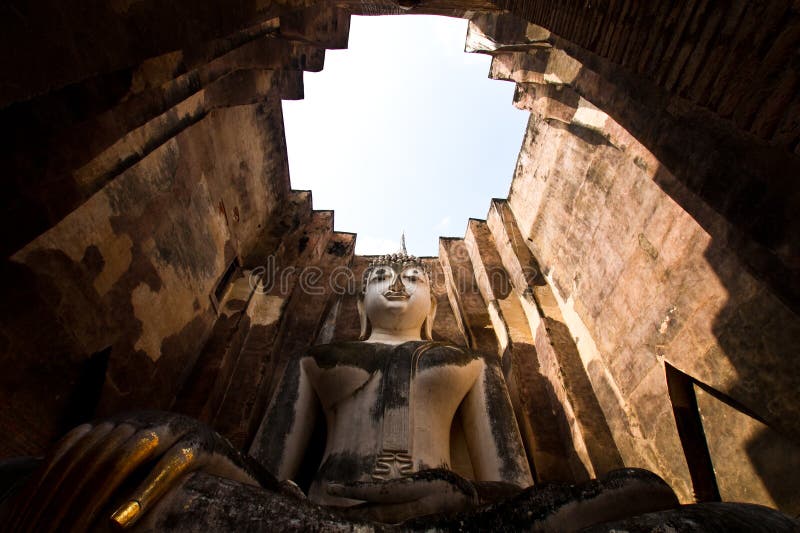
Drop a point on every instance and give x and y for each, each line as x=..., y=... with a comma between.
x=83, y=472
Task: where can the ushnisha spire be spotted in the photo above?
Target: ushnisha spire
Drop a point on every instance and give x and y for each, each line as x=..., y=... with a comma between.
x=401, y=256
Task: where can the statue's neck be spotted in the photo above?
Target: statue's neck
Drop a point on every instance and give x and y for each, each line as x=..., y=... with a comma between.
x=393, y=336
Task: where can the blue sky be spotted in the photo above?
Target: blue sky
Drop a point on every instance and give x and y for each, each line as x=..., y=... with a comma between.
x=403, y=131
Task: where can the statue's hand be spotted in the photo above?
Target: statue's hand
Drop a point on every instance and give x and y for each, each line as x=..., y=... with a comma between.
x=395, y=500
x=78, y=478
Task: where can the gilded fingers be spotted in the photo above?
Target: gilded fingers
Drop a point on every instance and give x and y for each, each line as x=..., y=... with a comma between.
x=89, y=466
x=127, y=514
x=141, y=447
x=77, y=486
x=79, y=477
x=180, y=460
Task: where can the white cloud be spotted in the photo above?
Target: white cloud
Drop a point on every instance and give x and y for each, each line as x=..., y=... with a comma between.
x=443, y=224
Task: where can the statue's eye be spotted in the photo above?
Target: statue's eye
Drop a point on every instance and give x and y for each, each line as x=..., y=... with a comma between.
x=411, y=277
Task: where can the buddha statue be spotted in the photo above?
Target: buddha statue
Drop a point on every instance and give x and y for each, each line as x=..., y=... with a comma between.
x=388, y=402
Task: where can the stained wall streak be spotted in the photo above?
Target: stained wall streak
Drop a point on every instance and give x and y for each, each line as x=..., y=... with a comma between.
x=131, y=192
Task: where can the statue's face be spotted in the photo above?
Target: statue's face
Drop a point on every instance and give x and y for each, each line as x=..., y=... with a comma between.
x=397, y=297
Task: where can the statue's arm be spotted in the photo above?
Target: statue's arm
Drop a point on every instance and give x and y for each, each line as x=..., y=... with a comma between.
x=283, y=436
x=491, y=430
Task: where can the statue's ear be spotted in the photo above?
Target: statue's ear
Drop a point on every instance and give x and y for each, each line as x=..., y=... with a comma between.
x=427, y=326
x=362, y=315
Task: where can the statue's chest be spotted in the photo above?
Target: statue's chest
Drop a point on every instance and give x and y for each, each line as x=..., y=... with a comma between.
x=393, y=392
x=387, y=377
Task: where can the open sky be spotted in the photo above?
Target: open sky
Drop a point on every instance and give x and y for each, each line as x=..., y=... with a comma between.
x=403, y=131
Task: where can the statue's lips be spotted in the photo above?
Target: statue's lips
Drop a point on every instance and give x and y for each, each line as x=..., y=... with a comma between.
x=395, y=296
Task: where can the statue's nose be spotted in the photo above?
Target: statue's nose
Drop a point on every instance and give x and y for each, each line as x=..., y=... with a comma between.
x=397, y=285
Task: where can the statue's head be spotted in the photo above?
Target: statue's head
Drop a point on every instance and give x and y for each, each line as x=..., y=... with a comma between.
x=396, y=296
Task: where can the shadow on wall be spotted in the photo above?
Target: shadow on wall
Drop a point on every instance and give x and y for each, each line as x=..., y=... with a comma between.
x=759, y=335
x=777, y=462
x=742, y=392
x=731, y=453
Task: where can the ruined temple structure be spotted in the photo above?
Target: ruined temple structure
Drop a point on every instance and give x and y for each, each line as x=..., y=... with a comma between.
x=641, y=282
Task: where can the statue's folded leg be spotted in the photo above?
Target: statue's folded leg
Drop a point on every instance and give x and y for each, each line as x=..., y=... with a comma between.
x=562, y=507
x=630, y=499
x=204, y=502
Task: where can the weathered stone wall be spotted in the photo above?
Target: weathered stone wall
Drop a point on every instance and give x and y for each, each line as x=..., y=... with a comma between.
x=649, y=269
x=133, y=267
x=710, y=89
x=133, y=193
